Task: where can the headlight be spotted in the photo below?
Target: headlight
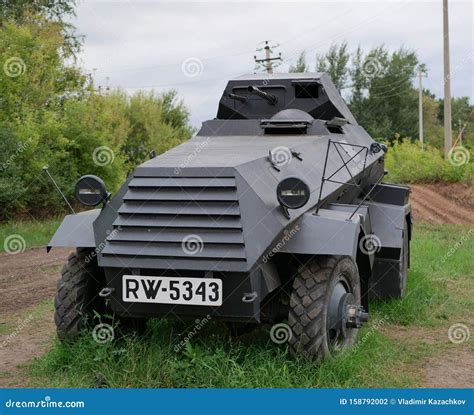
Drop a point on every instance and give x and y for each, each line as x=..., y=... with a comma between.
x=90, y=190
x=293, y=193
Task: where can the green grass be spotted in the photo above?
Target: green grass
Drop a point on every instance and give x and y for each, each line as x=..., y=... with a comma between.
x=212, y=359
x=34, y=233
x=441, y=277
x=438, y=291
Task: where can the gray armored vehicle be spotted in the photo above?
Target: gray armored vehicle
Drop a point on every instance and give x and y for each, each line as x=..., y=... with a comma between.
x=275, y=212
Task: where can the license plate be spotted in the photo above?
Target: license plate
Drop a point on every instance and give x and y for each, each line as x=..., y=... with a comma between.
x=170, y=290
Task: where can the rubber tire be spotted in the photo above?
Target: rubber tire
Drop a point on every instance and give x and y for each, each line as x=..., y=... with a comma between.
x=309, y=304
x=77, y=294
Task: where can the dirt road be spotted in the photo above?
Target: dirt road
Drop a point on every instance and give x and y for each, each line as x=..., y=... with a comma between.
x=27, y=285
x=439, y=203
x=28, y=282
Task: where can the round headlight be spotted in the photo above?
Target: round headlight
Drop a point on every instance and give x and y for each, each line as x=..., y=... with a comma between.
x=293, y=193
x=90, y=190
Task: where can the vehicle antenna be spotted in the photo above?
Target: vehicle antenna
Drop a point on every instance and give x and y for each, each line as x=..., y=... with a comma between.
x=45, y=169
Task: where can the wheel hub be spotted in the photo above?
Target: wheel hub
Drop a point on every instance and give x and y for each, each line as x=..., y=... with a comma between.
x=344, y=313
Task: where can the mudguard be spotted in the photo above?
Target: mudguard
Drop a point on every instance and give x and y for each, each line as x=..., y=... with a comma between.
x=390, y=214
x=389, y=209
x=75, y=231
x=329, y=232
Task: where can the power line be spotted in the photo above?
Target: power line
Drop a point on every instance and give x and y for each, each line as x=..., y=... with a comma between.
x=289, y=40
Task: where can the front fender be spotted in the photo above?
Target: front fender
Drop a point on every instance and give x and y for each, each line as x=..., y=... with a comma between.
x=330, y=232
x=75, y=231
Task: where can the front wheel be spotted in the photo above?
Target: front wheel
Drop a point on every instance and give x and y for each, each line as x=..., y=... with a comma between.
x=77, y=299
x=325, y=307
x=77, y=292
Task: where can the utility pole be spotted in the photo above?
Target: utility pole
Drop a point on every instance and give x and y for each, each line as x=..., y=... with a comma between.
x=447, y=83
x=268, y=59
x=420, y=106
x=267, y=63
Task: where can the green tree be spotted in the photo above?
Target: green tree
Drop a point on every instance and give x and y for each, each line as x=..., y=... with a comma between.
x=51, y=114
x=358, y=82
x=335, y=63
x=300, y=65
x=432, y=128
x=156, y=123
x=19, y=10
x=57, y=11
x=390, y=102
x=35, y=84
x=461, y=111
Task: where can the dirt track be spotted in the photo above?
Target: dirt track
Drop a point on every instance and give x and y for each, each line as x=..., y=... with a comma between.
x=443, y=204
x=27, y=282
x=29, y=279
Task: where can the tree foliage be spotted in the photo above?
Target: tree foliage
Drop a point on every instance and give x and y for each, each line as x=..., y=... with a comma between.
x=51, y=114
x=381, y=94
x=19, y=10
x=300, y=65
x=335, y=63
x=57, y=11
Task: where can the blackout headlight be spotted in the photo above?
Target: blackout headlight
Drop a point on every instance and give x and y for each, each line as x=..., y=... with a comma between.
x=90, y=190
x=293, y=193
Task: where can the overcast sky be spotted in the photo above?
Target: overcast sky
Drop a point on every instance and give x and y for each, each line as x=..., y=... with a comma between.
x=195, y=46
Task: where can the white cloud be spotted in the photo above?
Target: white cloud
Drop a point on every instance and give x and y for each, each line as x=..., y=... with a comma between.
x=134, y=44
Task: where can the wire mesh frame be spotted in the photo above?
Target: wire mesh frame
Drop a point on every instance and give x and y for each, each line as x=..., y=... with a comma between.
x=345, y=163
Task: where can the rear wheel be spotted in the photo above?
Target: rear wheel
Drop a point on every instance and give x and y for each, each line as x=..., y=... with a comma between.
x=325, y=307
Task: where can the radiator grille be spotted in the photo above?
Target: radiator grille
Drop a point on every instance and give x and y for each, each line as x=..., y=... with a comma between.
x=195, y=218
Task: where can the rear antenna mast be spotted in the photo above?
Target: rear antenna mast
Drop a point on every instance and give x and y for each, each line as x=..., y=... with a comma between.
x=267, y=63
x=45, y=169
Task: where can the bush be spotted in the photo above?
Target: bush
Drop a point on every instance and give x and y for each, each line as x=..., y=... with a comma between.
x=406, y=162
x=51, y=114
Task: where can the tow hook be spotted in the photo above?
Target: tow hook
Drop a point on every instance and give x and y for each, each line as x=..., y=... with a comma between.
x=356, y=316
x=249, y=297
x=106, y=292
